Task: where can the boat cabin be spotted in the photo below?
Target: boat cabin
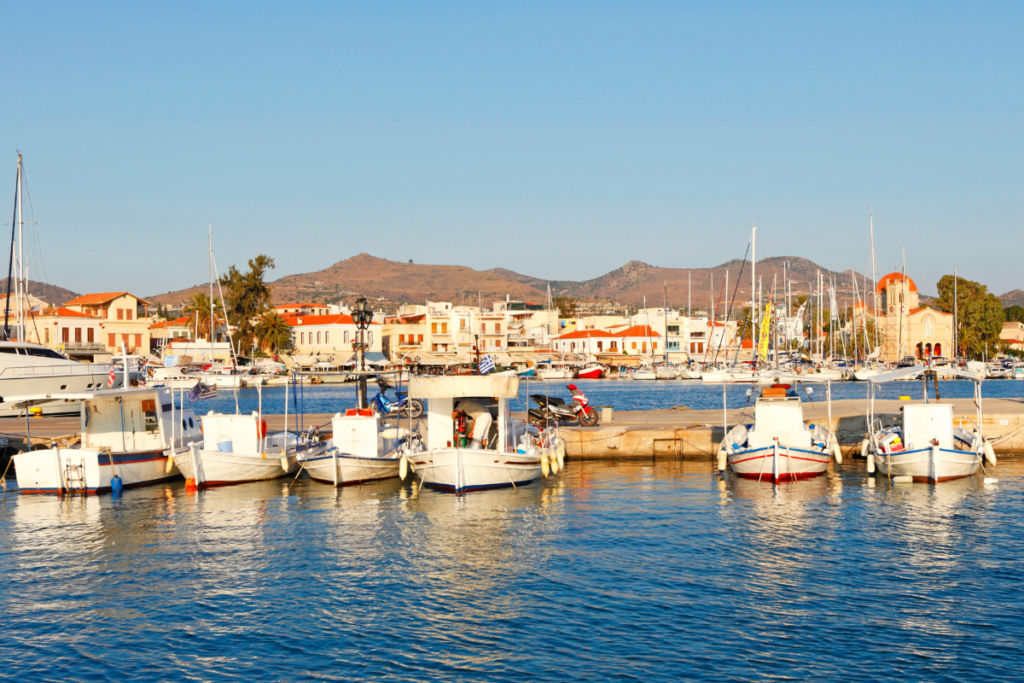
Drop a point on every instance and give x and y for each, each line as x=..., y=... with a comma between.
x=443, y=393
x=126, y=420
x=778, y=413
x=922, y=423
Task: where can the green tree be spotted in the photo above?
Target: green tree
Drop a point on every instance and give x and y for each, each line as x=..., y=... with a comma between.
x=273, y=333
x=566, y=306
x=248, y=297
x=1014, y=314
x=198, y=311
x=979, y=315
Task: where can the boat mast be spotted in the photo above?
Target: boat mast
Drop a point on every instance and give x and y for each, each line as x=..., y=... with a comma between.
x=10, y=261
x=874, y=276
x=19, y=284
x=665, y=291
x=956, y=349
x=903, y=298
x=753, y=290
x=209, y=234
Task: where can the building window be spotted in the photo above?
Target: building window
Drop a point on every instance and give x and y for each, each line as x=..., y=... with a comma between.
x=634, y=346
x=433, y=328
x=46, y=335
x=78, y=335
x=444, y=328
x=673, y=329
x=138, y=341
x=600, y=346
x=89, y=335
x=302, y=338
x=462, y=323
x=420, y=340
x=345, y=339
x=120, y=314
x=318, y=338
x=654, y=346
x=111, y=340
x=497, y=328
x=673, y=345
x=929, y=326
x=614, y=346
x=64, y=335
x=127, y=314
x=327, y=337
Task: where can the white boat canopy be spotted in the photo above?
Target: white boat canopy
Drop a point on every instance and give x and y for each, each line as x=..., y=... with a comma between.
x=463, y=386
x=899, y=373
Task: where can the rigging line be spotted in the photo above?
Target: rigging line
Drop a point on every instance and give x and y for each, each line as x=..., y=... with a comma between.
x=743, y=265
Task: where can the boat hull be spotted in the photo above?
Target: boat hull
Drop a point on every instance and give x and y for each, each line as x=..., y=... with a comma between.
x=89, y=471
x=781, y=464
x=591, y=373
x=216, y=468
x=928, y=464
x=465, y=469
x=350, y=469
x=643, y=376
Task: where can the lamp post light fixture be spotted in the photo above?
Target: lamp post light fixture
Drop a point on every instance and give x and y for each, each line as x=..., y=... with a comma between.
x=362, y=317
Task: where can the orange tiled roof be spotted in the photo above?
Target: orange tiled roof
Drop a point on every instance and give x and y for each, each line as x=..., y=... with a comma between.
x=586, y=334
x=638, y=331
x=177, y=322
x=62, y=312
x=101, y=298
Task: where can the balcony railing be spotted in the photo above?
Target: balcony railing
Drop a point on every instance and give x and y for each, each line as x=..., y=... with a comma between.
x=84, y=346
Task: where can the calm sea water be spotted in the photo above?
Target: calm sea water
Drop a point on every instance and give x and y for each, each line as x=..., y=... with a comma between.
x=620, y=394
x=625, y=571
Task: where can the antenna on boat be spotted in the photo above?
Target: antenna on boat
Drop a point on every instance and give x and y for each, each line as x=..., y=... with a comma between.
x=10, y=262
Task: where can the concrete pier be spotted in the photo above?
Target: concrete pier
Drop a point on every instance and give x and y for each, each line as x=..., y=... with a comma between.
x=697, y=434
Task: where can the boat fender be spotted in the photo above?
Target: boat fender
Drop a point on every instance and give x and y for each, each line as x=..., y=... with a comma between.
x=403, y=468
x=871, y=463
x=903, y=479
x=545, y=467
x=837, y=452
x=990, y=454
x=284, y=463
x=864, y=448
x=721, y=459
x=554, y=463
x=116, y=485
x=170, y=465
x=560, y=453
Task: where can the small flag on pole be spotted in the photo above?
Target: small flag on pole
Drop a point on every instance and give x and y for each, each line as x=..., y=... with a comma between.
x=486, y=365
x=201, y=392
x=110, y=377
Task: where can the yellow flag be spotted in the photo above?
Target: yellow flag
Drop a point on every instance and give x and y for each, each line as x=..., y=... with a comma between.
x=766, y=323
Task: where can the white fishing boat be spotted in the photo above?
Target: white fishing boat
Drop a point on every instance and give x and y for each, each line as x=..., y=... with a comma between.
x=238, y=448
x=722, y=375
x=362, y=448
x=925, y=446
x=131, y=434
x=174, y=377
x=779, y=446
x=548, y=371
x=508, y=454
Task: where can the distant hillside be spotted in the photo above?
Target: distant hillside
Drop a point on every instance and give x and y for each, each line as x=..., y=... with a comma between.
x=402, y=282
x=51, y=294
x=1013, y=298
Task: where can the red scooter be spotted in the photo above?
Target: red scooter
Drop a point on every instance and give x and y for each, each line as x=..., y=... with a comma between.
x=554, y=409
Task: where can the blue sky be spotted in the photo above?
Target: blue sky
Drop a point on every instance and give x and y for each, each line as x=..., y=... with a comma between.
x=560, y=140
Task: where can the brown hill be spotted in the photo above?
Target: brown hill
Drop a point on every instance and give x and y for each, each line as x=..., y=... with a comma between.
x=395, y=281
x=51, y=294
x=1013, y=298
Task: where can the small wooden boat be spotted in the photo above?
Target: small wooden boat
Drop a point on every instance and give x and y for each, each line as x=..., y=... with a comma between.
x=362, y=448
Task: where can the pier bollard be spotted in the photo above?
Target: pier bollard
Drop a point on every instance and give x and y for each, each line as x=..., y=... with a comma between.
x=606, y=413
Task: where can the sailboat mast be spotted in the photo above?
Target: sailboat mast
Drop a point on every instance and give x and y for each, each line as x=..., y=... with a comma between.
x=19, y=284
x=665, y=286
x=874, y=276
x=209, y=235
x=753, y=286
x=10, y=260
x=956, y=349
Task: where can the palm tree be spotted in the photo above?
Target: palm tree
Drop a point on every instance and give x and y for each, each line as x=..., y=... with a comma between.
x=273, y=332
x=198, y=311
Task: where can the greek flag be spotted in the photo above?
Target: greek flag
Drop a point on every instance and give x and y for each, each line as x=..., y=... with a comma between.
x=201, y=392
x=486, y=364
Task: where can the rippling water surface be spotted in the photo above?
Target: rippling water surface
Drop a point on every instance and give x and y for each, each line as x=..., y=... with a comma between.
x=609, y=570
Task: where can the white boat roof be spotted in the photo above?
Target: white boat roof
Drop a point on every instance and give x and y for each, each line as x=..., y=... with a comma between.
x=31, y=399
x=903, y=373
x=463, y=386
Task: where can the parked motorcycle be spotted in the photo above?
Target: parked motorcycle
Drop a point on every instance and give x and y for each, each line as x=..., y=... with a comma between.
x=401, y=404
x=554, y=409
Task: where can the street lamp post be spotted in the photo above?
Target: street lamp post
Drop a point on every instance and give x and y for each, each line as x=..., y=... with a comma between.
x=362, y=317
